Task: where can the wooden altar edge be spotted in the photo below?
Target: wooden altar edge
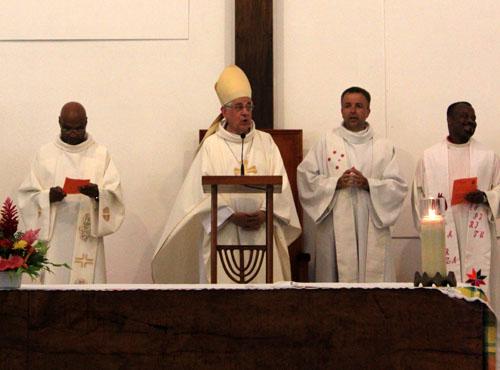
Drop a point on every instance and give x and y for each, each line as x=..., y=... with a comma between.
x=280, y=285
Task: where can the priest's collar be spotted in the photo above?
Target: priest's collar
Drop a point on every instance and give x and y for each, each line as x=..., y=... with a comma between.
x=235, y=138
x=454, y=145
x=75, y=148
x=355, y=137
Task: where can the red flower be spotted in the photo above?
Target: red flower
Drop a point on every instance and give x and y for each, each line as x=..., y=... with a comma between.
x=8, y=222
x=12, y=263
x=475, y=278
x=5, y=243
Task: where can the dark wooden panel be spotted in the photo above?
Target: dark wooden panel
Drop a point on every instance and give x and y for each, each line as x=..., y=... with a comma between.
x=254, y=54
x=14, y=317
x=289, y=143
x=242, y=329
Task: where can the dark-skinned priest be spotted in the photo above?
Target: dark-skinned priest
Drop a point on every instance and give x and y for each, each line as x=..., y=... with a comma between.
x=183, y=253
x=470, y=231
x=73, y=194
x=471, y=243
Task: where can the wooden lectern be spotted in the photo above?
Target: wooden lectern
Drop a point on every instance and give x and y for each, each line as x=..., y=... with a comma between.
x=237, y=269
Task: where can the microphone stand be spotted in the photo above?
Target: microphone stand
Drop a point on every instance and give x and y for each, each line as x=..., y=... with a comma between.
x=242, y=168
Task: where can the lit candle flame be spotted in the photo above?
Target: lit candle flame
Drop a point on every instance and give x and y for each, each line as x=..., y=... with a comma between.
x=432, y=215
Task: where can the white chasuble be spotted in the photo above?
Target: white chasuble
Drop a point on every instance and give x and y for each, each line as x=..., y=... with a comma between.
x=470, y=228
x=183, y=253
x=352, y=225
x=74, y=227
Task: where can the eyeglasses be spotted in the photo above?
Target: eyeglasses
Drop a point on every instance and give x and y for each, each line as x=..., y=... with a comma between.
x=238, y=107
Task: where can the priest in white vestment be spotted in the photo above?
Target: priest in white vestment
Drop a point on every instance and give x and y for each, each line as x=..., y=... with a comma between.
x=183, y=253
x=470, y=231
x=75, y=219
x=349, y=184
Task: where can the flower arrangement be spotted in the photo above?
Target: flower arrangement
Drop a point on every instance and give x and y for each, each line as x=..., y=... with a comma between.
x=21, y=252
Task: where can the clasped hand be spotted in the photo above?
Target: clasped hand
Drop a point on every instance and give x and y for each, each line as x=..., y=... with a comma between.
x=476, y=197
x=248, y=221
x=91, y=190
x=56, y=193
x=352, y=178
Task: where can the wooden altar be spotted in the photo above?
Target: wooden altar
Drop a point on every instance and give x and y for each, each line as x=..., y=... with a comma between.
x=207, y=327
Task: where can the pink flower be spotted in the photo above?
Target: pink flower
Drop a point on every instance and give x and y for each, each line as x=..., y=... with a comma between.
x=12, y=263
x=30, y=236
x=16, y=261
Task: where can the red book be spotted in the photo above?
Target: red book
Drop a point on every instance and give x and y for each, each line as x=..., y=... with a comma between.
x=71, y=185
x=461, y=187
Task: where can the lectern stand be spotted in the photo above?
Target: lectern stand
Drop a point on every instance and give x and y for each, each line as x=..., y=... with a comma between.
x=236, y=268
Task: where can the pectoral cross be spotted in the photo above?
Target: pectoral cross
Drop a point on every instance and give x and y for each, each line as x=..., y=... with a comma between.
x=84, y=260
x=248, y=170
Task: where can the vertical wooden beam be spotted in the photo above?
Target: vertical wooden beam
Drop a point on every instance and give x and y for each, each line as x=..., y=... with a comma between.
x=254, y=54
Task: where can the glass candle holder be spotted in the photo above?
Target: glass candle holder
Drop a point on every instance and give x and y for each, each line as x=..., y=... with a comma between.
x=432, y=236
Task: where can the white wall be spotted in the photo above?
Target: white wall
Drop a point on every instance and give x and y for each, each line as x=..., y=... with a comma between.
x=147, y=99
x=415, y=57
x=94, y=20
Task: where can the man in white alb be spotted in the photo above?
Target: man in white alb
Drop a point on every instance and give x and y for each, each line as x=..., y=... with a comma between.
x=183, y=252
x=349, y=184
x=470, y=224
x=75, y=219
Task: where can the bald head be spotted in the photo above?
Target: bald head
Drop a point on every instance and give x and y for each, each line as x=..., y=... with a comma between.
x=73, y=122
x=73, y=108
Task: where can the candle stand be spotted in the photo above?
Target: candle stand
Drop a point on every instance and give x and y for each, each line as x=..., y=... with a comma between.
x=438, y=280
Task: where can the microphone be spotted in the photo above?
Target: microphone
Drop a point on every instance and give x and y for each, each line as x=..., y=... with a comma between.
x=242, y=168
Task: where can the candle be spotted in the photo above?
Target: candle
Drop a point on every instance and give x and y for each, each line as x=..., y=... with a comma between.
x=432, y=244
